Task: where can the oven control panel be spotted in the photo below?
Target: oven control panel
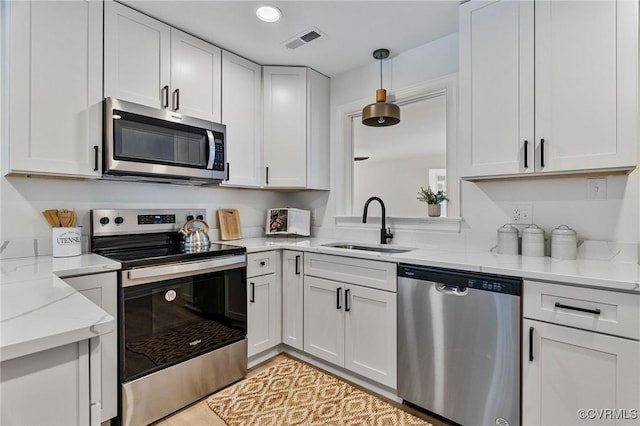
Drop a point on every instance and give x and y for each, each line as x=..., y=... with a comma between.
x=154, y=219
x=133, y=221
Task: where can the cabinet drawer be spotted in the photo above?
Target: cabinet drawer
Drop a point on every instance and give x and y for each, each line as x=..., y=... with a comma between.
x=369, y=273
x=591, y=309
x=261, y=263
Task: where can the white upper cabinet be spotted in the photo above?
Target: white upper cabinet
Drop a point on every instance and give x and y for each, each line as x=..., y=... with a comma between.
x=296, y=128
x=496, y=87
x=137, y=52
x=242, y=114
x=149, y=63
x=55, y=116
x=196, y=69
x=586, y=71
x=577, y=59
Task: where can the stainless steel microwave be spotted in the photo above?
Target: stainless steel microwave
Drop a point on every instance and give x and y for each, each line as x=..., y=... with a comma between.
x=150, y=144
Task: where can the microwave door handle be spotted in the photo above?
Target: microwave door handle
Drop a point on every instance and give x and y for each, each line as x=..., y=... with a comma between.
x=211, y=150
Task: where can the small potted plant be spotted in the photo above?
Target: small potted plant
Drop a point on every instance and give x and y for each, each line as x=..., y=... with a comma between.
x=433, y=200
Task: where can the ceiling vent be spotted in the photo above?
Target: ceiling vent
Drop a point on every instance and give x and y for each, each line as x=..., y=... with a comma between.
x=303, y=38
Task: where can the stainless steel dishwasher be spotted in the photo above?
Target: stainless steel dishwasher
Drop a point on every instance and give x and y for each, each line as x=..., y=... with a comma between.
x=459, y=344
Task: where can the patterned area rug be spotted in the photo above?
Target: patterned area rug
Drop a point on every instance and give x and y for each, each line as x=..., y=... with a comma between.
x=294, y=393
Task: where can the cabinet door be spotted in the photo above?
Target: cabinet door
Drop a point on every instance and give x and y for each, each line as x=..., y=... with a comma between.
x=324, y=319
x=370, y=334
x=242, y=113
x=137, y=54
x=47, y=388
x=55, y=114
x=285, y=126
x=196, y=68
x=318, y=129
x=586, y=84
x=101, y=289
x=496, y=88
x=574, y=369
x=263, y=313
x=292, y=301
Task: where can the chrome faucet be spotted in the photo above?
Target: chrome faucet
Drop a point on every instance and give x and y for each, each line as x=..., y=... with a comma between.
x=385, y=233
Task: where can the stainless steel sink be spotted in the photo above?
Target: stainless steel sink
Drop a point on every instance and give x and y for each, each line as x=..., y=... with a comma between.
x=373, y=248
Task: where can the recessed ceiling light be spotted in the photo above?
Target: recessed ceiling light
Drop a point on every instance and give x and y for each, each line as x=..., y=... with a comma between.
x=268, y=13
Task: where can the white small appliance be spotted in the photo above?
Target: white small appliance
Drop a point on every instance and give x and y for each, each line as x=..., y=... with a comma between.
x=288, y=221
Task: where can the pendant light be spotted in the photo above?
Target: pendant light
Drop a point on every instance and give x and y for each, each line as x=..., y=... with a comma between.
x=381, y=113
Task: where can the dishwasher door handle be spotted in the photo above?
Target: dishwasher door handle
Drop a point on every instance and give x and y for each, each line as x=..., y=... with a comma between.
x=452, y=290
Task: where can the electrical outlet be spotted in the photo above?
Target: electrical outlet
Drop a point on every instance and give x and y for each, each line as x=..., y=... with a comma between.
x=597, y=189
x=521, y=214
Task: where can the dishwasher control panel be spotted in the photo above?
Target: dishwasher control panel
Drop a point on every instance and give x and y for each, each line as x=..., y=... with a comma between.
x=489, y=285
x=461, y=280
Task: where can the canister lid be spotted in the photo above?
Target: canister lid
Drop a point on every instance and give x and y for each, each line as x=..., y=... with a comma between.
x=533, y=229
x=507, y=228
x=563, y=230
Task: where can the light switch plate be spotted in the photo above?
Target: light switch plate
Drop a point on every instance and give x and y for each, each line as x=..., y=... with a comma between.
x=597, y=188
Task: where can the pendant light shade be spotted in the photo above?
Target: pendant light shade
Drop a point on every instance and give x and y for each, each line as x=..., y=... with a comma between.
x=381, y=113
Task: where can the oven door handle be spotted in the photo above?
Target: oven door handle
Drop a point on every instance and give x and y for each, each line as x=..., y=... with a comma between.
x=186, y=268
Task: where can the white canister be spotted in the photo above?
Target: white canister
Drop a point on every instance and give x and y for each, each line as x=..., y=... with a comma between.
x=67, y=241
x=533, y=241
x=508, y=239
x=564, y=243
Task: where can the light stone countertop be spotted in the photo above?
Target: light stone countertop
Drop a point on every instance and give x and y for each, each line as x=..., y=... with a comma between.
x=605, y=274
x=39, y=311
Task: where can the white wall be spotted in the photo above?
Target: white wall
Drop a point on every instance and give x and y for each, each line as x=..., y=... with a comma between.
x=25, y=232
x=485, y=205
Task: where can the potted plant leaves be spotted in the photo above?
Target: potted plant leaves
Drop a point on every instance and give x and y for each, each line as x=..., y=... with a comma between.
x=433, y=200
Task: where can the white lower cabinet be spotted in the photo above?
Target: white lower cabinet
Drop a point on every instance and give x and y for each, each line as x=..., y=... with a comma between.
x=573, y=376
x=571, y=370
x=292, y=300
x=352, y=326
x=324, y=319
x=264, y=318
x=102, y=289
x=50, y=387
x=370, y=339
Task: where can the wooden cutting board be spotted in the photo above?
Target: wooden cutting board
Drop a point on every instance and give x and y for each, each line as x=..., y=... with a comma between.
x=229, y=220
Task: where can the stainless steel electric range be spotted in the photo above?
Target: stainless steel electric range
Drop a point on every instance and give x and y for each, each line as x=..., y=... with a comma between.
x=182, y=314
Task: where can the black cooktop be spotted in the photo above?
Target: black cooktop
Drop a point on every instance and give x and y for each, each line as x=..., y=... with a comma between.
x=156, y=249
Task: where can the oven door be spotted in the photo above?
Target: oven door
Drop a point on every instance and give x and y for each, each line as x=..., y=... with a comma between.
x=168, y=317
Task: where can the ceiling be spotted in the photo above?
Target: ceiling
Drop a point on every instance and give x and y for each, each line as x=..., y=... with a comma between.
x=352, y=30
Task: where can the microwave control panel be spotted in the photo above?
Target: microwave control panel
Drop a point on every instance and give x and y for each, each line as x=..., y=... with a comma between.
x=218, y=162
